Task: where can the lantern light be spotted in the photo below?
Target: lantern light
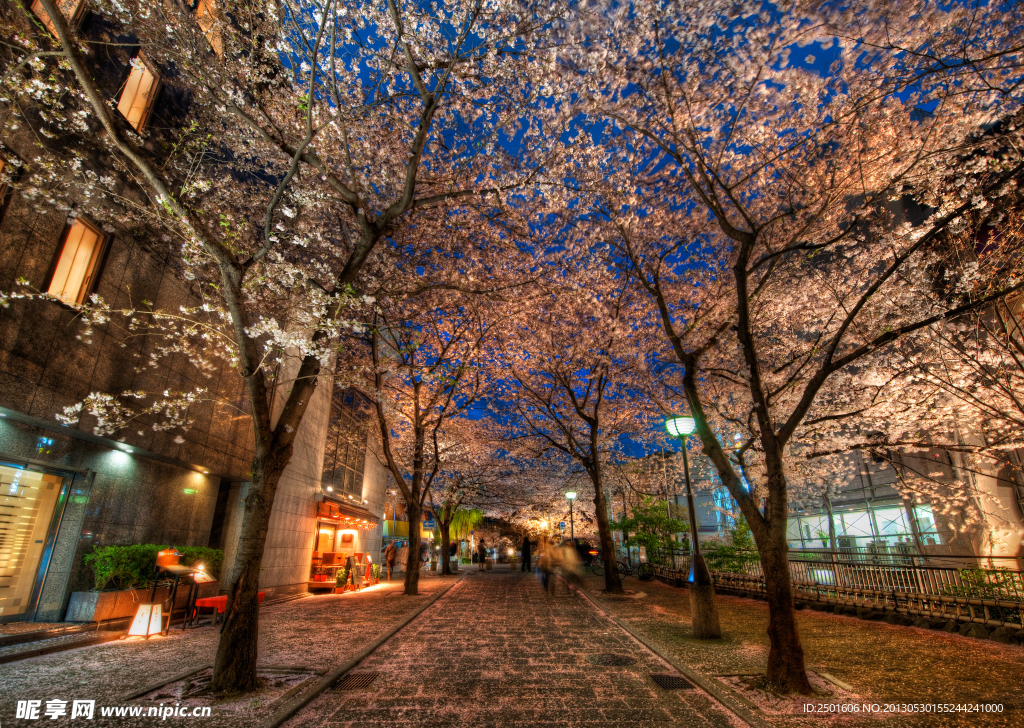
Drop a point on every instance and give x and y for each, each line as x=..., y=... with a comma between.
x=148, y=620
x=571, y=495
x=681, y=426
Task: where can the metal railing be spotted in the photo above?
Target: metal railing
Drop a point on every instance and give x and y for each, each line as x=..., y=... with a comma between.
x=960, y=590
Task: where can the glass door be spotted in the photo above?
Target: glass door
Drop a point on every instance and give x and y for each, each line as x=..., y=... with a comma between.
x=27, y=502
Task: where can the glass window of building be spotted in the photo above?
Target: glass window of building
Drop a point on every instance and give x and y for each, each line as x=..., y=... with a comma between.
x=75, y=268
x=891, y=522
x=72, y=10
x=207, y=19
x=139, y=93
x=345, y=453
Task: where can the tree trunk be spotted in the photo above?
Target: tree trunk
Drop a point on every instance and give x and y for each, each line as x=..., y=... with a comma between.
x=446, y=564
x=612, y=582
x=234, y=668
x=412, y=564
x=785, y=656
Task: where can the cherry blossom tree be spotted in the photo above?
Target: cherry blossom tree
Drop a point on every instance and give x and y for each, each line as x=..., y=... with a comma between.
x=426, y=368
x=570, y=366
x=801, y=153
x=473, y=474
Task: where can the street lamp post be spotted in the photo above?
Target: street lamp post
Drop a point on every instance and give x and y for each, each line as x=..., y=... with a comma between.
x=703, y=609
x=571, y=495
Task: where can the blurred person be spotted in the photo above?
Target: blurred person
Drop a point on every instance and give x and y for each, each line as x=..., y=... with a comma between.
x=526, y=555
x=481, y=554
x=390, y=554
x=543, y=561
x=554, y=565
x=571, y=564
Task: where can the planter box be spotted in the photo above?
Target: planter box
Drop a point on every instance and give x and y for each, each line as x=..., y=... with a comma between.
x=339, y=590
x=101, y=606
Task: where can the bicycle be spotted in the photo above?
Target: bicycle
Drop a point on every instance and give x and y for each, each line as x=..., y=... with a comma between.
x=644, y=571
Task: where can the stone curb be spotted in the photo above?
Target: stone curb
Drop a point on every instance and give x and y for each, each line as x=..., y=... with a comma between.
x=288, y=710
x=705, y=683
x=64, y=646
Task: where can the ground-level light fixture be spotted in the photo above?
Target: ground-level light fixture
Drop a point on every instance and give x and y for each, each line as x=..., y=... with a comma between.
x=148, y=620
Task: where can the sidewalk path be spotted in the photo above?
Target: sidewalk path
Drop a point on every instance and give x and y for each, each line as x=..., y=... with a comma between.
x=498, y=651
x=317, y=632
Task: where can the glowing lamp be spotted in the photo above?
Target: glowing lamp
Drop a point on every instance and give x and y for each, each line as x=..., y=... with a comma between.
x=148, y=620
x=571, y=495
x=681, y=426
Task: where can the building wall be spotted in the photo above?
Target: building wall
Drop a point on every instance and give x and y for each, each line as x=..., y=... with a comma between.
x=375, y=485
x=114, y=499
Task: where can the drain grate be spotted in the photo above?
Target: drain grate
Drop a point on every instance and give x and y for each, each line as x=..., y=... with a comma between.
x=356, y=680
x=671, y=682
x=609, y=659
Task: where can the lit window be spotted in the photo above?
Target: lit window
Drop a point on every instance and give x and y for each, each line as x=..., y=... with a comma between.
x=208, y=23
x=139, y=93
x=77, y=263
x=73, y=10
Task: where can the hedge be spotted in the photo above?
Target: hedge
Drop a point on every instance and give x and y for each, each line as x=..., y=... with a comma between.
x=128, y=567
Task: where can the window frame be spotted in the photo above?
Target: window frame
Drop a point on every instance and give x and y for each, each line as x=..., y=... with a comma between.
x=151, y=99
x=89, y=284
x=213, y=35
x=74, y=22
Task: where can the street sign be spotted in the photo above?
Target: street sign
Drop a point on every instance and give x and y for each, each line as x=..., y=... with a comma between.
x=561, y=525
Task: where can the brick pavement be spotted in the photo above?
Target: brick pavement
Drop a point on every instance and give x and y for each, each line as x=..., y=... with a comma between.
x=317, y=632
x=498, y=651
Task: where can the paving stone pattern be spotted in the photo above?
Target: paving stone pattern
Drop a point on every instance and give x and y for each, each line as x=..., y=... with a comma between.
x=498, y=651
x=318, y=632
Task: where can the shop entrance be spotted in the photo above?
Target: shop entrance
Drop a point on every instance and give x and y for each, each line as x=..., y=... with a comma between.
x=27, y=503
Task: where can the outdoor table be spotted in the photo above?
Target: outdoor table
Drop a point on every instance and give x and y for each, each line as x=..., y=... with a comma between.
x=218, y=604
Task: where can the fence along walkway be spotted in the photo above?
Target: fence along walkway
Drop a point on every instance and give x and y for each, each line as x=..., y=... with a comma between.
x=989, y=596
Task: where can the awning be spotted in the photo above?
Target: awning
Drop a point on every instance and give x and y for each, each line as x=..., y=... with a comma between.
x=346, y=515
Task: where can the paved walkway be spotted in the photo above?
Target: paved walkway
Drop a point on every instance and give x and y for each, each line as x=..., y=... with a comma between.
x=318, y=632
x=497, y=650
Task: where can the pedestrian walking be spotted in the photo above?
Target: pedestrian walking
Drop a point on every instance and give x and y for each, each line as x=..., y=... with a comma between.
x=481, y=553
x=526, y=555
x=553, y=566
x=390, y=554
x=423, y=554
x=571, y=564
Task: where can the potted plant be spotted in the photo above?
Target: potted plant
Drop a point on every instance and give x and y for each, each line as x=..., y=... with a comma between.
x=375, y=569
x=340, y=580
